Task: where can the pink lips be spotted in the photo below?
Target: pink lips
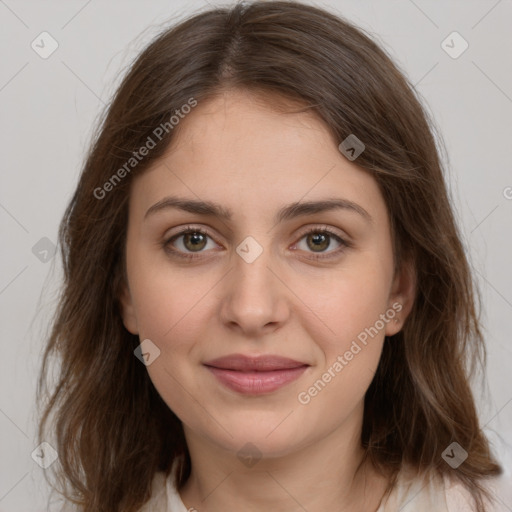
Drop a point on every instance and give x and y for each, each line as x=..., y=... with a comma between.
x=255, y=375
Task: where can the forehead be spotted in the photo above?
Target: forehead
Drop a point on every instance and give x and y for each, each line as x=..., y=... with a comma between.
x=241, y=149
x=240, y=125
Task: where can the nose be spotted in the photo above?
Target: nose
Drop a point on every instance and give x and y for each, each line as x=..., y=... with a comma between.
x=255, y=300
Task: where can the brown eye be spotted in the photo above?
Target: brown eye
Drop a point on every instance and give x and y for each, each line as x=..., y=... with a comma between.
x=194, y=241
x=319, y=241
x=189, y=243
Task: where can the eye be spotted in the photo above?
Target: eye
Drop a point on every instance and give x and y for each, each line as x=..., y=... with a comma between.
x=188, y=241
x=191, y=241
x=318, y=240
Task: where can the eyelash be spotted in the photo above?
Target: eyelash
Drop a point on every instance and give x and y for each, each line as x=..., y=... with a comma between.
x=316, y=256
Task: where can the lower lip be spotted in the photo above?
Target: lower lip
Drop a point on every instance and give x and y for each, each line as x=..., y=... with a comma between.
x=256, y=383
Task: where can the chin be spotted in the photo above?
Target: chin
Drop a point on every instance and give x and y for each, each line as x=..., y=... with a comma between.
x=266, y=436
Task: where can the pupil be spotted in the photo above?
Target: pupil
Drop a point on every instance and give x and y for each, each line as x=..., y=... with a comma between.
x=195, y=240
x=320, y=241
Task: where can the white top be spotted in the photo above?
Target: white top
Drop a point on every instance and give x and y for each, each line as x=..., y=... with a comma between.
x=411, y=494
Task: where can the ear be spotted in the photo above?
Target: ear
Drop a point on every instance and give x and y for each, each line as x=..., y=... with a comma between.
x=401, y=298
x=128, y=309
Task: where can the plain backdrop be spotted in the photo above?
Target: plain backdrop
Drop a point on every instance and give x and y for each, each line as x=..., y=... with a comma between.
x=49, y=107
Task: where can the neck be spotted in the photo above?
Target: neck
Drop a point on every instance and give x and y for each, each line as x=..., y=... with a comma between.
x=328, y=474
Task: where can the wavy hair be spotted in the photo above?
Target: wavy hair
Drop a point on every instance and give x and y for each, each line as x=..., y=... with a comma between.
x=112, y=430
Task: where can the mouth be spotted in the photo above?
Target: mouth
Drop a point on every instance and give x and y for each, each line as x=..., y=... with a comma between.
x=255, y=375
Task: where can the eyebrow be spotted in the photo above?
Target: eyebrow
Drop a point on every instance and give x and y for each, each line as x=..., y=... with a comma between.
x=288, y=212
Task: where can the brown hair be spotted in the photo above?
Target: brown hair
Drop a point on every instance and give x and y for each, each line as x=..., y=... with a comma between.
x=112, y=437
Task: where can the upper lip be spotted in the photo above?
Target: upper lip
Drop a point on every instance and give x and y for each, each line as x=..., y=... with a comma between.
x=262, y=363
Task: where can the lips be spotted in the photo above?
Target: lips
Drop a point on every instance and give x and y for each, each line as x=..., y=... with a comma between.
x=241, y=363
x=255, y=375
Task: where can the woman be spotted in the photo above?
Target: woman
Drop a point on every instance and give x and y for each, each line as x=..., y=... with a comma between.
x=267, y=304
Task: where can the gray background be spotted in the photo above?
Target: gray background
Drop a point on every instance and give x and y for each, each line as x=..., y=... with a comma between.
x=48, y=113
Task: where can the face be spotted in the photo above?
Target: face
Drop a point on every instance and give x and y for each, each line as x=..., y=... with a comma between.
x=287, y=266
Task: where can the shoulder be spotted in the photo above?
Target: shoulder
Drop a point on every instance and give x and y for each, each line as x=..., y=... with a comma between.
x=164, y=495
x=158, y=498
x=458, y=497
x=424, y=492
x=416, y=492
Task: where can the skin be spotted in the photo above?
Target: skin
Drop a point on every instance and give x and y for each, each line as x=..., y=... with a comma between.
x=239, y=151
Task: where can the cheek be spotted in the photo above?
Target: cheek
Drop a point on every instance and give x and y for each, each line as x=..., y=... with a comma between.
x=354, y=315
x=167, y=299
x=338, y=389
x=171, y=312
x=349, y=331
x=346, y=304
